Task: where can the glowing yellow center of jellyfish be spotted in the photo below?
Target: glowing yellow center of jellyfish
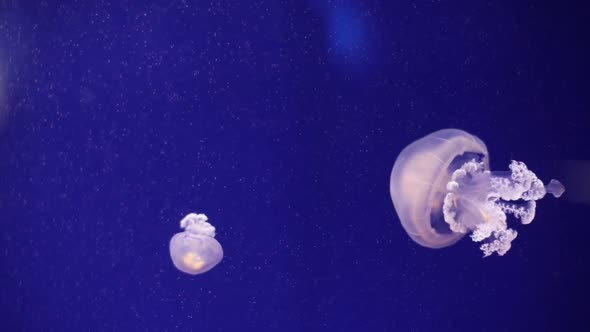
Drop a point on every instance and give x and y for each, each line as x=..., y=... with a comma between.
x=193, y=261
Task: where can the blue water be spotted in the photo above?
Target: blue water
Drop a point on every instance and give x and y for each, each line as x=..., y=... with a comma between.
x=281, y=121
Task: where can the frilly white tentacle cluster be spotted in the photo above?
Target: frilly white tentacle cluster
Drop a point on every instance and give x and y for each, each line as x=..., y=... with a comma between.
x=522, y=184
x=197, y=224
x=490, y=197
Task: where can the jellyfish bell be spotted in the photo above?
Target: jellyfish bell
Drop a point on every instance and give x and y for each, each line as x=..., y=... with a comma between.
x=195, y=250
x=442, y=189
x=418, y=183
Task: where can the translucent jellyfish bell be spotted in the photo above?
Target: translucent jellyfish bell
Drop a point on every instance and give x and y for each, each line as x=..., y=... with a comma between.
x=195, y=250
x=442, y=189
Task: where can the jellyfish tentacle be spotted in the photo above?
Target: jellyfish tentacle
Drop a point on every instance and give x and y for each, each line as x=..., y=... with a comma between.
x=501, y=243
x=473, y=190
x=555, y=188
x=197, y=224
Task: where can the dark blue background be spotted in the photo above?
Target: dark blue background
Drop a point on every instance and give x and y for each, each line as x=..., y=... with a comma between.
x=281, y=121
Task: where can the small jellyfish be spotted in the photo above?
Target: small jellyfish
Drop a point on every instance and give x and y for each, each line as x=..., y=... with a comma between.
x=442, y=189
x=195, y=250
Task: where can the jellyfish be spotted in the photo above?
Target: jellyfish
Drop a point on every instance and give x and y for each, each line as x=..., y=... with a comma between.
x=442, y=189
x=195, y=250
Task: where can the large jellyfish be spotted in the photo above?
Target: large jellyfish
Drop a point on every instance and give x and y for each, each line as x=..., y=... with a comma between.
x=442, y=189
x=195, y=250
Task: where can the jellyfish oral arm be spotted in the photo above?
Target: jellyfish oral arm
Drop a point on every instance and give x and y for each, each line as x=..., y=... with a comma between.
x=555, y=188
x=478, y=201
x=197, y=224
